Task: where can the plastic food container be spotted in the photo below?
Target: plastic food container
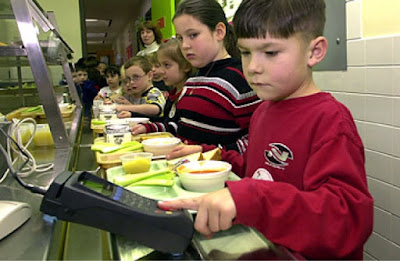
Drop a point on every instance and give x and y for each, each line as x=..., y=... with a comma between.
x=117, y=133
x=160, y=146
x=43, y=135
x=63, y=106
x=204, y=176
x=107, y=113
x=136, y=162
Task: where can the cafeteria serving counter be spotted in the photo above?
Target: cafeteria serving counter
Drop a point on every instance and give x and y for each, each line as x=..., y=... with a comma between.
x=44, y=238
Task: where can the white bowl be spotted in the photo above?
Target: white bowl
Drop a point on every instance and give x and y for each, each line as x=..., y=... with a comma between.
x=63, y=106
x=160, y=146
x=133, y=121
x=116, y=121
x=204, y=176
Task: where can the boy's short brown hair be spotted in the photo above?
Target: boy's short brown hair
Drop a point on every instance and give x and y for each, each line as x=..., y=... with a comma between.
x=153, y=58
x=141, y=61
x=280, y=18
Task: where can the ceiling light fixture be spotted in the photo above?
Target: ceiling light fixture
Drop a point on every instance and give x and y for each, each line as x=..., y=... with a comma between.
x=97, y=23
x=95, y=42
x=96, y=35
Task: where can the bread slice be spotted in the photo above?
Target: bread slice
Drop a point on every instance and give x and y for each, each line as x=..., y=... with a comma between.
x=191, y=157
x=214, y=154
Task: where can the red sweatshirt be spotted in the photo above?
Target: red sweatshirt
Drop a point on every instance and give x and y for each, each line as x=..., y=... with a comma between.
x=305, y=184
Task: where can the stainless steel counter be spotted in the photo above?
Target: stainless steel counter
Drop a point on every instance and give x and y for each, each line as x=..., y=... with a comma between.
x=41, y=238
x=33, y=239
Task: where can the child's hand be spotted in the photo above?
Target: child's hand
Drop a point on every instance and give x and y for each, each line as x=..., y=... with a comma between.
x=138, y=129
x=183, y=150
x=108, y=101
x=98, y=97
x=124, y=114
x=121, y=100
x=215, y=210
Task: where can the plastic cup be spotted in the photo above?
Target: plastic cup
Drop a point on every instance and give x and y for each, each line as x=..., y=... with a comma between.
x=43, y=135
x=136, y=162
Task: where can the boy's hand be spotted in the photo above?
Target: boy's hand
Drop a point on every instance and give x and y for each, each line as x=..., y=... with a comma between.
x=138, y=129
x=215, y=210
x=121, y=100
x=124, y=114
x=108, y=101
x=183, y=150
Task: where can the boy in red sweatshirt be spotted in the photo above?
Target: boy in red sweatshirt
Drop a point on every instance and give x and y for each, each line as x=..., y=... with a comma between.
x=304, y=183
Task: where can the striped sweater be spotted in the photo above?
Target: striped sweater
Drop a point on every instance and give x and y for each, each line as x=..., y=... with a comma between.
x=214, y=108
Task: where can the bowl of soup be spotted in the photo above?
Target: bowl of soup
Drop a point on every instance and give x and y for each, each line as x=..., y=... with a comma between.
x=204, y=175
x=160, y=146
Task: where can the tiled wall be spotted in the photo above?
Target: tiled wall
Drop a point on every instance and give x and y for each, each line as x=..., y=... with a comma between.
x=370, y=88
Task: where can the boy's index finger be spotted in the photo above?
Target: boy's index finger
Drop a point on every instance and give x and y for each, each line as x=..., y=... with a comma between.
x=188, y=203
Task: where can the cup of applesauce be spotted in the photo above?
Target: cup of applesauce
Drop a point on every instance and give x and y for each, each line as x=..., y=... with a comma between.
x=43, y=135
x=136, y=162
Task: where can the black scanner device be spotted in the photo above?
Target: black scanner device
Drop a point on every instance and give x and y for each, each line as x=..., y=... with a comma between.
x=84, y=198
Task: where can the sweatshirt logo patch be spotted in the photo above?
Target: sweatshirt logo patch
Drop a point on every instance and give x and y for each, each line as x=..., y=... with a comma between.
x=278, y=155
x=262, y=174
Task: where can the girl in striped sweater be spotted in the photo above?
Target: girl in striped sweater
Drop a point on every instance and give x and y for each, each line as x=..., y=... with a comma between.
x=216, y=104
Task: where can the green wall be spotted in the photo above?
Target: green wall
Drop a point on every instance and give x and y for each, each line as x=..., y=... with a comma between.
x=68, y=20
x=166, y=9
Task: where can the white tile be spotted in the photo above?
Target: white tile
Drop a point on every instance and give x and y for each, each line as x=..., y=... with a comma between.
x=396, y=171
x=396, y=50
x=396, y=81
x=379, y=138
x=330, y=81
x=378, y=246
x=354, y=79
x=379, y=109
x=353, y=18
x=379, y=80
x=361, y=128
x=396, y=142
x=382, y=220
x=357, y=105
x=379, y=51
x=367, y=256
x=380, y=191
x=356, y=52
x=395, y=229
x=341, y=97
x=394, y=202
x=394, y=252
x=379, y=166
x=318, y=78
x=396, y=111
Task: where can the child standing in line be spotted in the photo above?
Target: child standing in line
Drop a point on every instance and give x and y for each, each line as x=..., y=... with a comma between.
x=304, y=183
x=158, y=75
x=140, y=98
x=217, y=103
x=113, y=77
x=89, y=89
x=175, y=71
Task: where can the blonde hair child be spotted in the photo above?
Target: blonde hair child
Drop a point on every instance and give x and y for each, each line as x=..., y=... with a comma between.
x=176, y=70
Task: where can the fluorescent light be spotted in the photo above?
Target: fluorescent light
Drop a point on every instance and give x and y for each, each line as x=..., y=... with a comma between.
x=96, y=35
x=97, y=23
x=95, y=42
